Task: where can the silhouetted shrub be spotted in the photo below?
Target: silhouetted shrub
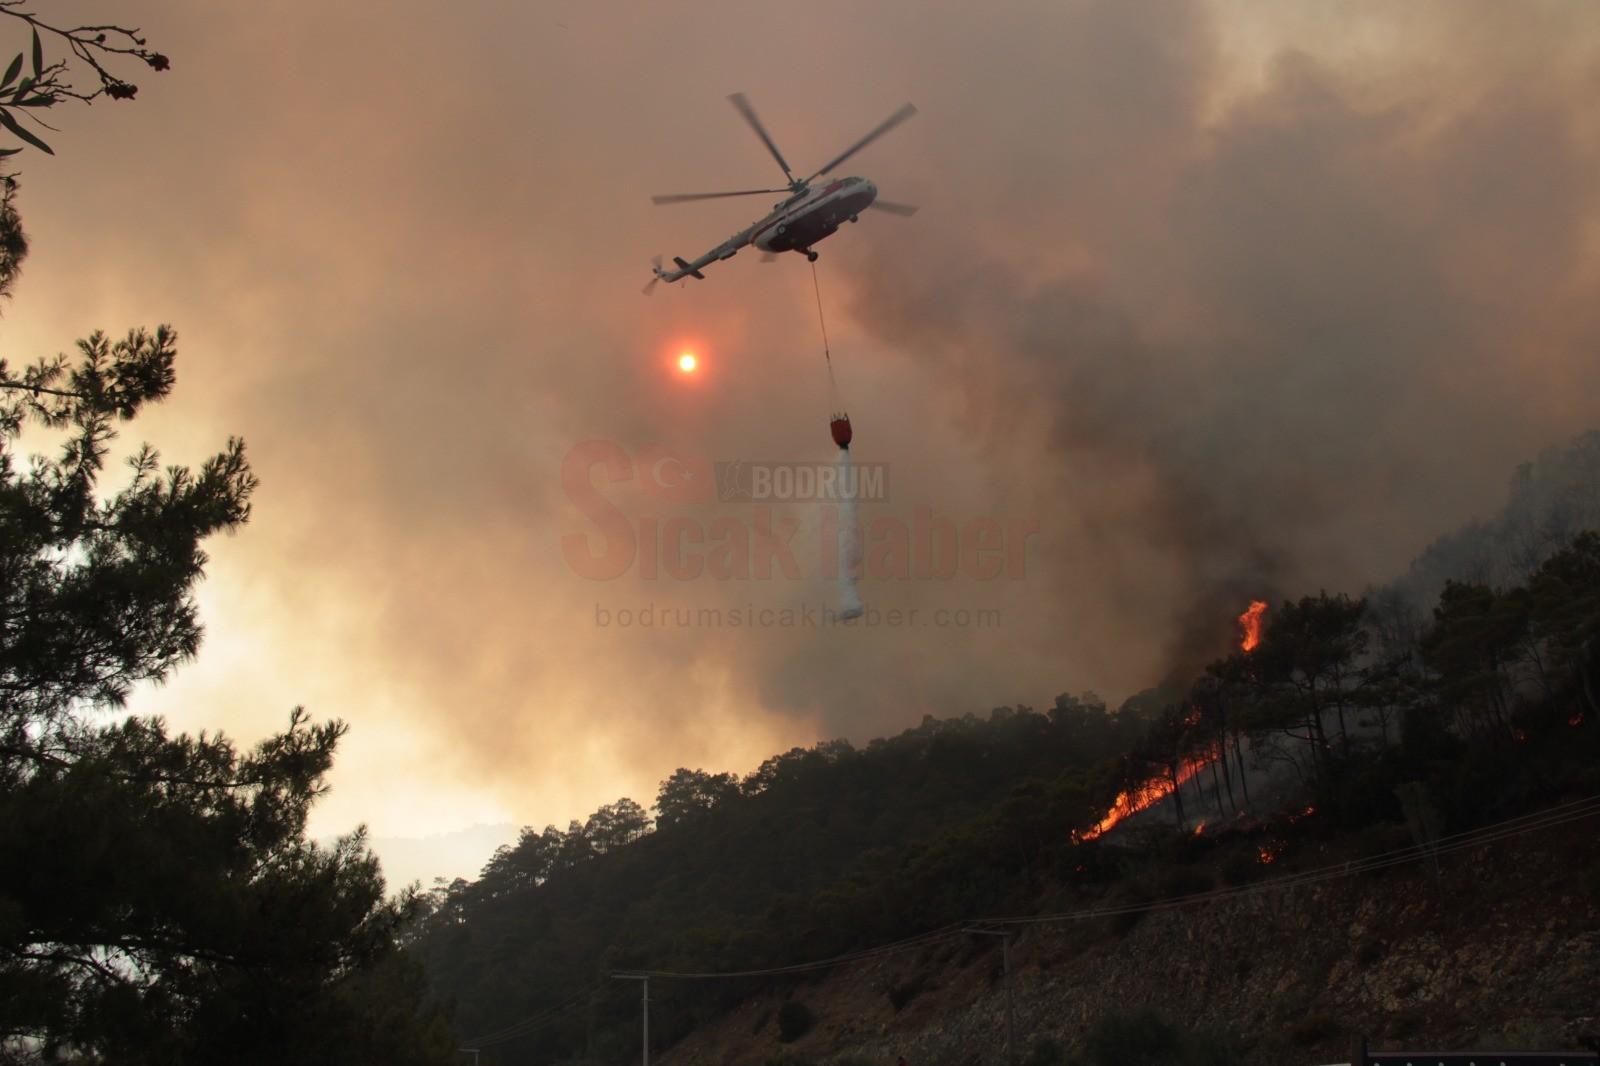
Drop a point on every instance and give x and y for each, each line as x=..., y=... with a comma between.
x=1313, y=1029
x=906, y=991
x=1183, y=881
x=1045, y=1052
x=1403, y=1023
x=1241, y=868
x=1132, y=899
x=794, y=1021
x=1142, y=1038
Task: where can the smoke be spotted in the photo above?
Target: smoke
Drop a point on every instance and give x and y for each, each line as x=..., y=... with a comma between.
x=1232, y=301
x=1328, y=356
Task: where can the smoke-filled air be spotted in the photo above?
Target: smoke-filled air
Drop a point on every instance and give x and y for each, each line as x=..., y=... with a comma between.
x=1132, y=332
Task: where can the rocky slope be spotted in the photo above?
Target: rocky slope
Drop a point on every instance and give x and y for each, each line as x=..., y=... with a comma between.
x=1498, y=947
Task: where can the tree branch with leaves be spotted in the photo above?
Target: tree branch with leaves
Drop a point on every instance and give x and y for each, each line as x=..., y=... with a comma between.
x=90, y=66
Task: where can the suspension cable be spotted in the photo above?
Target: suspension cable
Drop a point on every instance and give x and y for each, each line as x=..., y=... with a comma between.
x=827, y=354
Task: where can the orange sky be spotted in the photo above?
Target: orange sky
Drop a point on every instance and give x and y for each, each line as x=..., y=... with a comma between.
x=1234, y=300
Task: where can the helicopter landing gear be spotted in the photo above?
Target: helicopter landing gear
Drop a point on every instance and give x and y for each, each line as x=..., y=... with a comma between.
x=812, y=256
x=855, y=218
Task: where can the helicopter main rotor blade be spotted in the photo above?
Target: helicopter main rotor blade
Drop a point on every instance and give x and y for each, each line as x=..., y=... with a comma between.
x=883, y=127
x=685, y=197
x=749, y=114
x=903, y=210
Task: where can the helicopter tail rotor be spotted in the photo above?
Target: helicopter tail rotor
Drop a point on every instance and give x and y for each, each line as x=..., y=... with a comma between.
x=655, y=265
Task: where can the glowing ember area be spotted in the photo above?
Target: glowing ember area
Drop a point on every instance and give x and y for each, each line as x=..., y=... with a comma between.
x=1576, y=720
x=1144, y=796
x=1199, y=829
x=1267, y=854
x=1250, y=625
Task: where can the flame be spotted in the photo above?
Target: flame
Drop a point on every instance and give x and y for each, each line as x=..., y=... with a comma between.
x=1201, y=828
x=1576, y=720
x=1267, y=854
x=1250, y=625
x=1145, y=795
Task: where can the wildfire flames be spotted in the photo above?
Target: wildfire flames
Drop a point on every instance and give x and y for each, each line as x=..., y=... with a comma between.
x=1250, y=625
x=1144, y=796
x=1157, y=788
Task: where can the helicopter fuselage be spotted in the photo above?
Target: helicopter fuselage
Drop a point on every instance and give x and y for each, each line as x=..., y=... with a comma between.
x=813, y=209
x=799, y=222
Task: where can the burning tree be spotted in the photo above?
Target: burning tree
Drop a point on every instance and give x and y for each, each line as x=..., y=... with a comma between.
x=1250, y=625
x=1310, y=660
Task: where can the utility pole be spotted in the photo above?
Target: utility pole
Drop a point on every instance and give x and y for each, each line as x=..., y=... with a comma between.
x=1011, y=1005
x=644, y=979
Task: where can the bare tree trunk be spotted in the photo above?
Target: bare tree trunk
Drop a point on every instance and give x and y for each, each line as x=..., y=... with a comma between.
x=1585, y=654
x=1177, y=794
x=1199, y=789
x=1227, y=771
x=1319, y=742
x=1244, y=772
x=1216, y=785
x=1315, y=733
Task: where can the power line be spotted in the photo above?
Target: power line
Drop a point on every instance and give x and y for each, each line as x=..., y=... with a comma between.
x=1521, y=825
x=1510, y=827
x=532, y=1023
x=909, y=943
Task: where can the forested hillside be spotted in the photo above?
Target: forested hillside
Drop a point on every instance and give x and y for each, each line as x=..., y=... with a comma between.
x=1371, y=723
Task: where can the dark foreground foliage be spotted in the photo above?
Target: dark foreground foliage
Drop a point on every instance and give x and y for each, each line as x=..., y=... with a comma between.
x=160, y=902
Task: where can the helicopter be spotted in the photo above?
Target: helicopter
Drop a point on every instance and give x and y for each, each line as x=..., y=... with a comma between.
x=805, y=215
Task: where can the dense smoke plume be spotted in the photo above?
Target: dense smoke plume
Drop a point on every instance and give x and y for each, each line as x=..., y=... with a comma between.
x=1234, y=301
x=1282, y=336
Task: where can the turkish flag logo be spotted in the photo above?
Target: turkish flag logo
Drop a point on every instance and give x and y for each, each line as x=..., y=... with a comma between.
x=671, y=475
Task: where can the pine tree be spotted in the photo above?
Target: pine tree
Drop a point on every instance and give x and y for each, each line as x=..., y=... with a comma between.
x=159, y=900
